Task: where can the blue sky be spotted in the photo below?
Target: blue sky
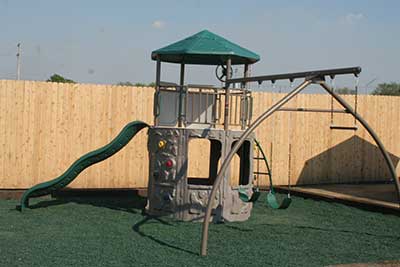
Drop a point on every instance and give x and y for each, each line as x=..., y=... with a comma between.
x=111, y=41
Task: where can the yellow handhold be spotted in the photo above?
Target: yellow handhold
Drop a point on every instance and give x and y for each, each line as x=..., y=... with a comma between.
x=162, y=144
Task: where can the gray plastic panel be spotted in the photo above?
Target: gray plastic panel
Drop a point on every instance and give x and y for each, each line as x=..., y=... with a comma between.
x=169, y=191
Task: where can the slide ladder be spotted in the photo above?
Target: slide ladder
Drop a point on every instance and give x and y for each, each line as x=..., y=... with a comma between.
x=87, y=160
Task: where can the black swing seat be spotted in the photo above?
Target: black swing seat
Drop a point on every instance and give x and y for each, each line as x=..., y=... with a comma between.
x=273, y=202
x=244, y=196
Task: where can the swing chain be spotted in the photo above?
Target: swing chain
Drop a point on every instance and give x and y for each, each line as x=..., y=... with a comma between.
x=257, y=178
x=357, y=81
x=333, y=90
x=291, y=83
x=289, y=172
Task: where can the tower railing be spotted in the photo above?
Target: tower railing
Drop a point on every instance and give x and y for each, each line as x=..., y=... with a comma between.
x=201, y=106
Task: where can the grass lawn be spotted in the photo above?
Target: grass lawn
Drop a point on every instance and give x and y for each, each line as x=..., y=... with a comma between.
x=93, y=231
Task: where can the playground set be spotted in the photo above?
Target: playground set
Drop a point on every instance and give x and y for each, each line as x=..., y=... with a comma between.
x=184, y=112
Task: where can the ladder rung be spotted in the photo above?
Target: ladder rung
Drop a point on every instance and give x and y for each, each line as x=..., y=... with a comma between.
x=262, y=173
x=339, y=127
x=258, y=158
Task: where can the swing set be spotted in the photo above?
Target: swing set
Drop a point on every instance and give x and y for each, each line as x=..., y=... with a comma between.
x=272, y=200
x=312, y=77
x=331, y=110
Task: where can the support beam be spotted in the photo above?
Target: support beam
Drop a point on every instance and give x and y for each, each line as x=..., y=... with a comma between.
x=181, y=119
x=244, y=110
x=158, y=72
x=158, y=79
x=246, y=74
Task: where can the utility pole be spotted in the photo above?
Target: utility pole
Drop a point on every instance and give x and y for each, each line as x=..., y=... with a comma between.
x=18, y=61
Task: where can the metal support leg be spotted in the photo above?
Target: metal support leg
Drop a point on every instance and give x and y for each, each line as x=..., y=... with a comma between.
x=381, y=147
x=233, y=151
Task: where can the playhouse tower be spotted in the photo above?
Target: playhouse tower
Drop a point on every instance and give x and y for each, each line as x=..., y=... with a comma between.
x=185, y=114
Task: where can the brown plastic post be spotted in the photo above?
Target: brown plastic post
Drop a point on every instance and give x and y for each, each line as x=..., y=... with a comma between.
x=226, y=110
x=181, y=92
x=158, y=78
x=244, y=106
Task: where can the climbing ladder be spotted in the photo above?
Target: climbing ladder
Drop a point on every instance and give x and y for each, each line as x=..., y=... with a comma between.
x=257, y=158
x=272, y=201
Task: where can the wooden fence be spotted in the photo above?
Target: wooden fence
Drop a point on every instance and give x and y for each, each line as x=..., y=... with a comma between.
x=44, y=127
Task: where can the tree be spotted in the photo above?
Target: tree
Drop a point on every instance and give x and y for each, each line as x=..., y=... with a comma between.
x=345, y=91
x=125, y=84
x=140, y=85
x=137, y=84
x=387, y=89
x=56, y=78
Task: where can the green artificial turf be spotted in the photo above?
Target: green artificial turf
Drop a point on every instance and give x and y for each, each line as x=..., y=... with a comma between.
x=112, y=232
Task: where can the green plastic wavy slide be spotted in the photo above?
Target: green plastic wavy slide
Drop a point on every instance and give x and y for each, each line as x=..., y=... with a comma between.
x=123, y=138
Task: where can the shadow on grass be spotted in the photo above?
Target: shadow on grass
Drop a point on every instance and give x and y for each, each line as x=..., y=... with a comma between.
x=321, y=229
x=132, y=204
x=313, y=228
x=146, y=219
x=128, y=203
x=240, y=229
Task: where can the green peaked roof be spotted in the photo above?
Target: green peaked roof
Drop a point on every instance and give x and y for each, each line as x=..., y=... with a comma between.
x=205, y=48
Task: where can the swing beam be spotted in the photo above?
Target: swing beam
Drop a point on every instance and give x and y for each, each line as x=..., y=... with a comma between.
x=297, y=75
x=317, y=77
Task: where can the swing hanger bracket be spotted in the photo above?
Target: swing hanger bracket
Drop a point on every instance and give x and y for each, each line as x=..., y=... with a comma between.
x=316, y=79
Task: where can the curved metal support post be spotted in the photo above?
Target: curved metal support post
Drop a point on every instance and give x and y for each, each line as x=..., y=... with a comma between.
x=233, y=151
x=374, y=136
